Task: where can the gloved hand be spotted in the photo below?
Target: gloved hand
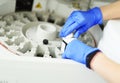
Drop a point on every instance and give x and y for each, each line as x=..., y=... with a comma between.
x=78, y=51
x=80, y=21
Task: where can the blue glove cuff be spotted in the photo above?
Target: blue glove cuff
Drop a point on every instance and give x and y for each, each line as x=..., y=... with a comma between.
x=90, y=57
x=98, y=14
x=89, y=51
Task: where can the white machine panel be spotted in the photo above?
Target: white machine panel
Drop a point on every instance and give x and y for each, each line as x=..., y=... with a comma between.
x=7, y=6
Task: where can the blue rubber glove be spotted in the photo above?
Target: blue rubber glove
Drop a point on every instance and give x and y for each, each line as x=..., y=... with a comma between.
x=80, y=21
x=78, y=51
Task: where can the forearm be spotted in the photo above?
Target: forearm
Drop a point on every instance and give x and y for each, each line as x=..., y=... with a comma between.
x=111, y=11
x=106, y=68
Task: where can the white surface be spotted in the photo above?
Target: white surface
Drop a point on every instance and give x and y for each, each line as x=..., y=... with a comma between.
x=7, y=6
x=19, y=69
x=110, y=42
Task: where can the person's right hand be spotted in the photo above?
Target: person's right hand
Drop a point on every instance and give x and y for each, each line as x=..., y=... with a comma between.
x=80, y=21
x=78, y=51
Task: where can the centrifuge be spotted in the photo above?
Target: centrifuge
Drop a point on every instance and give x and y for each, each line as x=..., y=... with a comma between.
x=30, y=47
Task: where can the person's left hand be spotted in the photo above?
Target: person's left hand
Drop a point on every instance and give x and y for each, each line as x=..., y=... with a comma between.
x=80, y=21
